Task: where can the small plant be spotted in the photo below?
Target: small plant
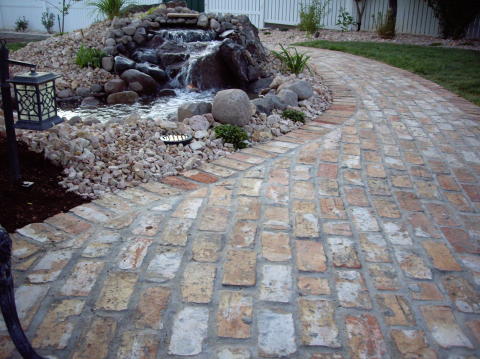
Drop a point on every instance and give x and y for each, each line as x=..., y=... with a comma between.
x=109, y=8
x=386, y=25
x=292, y=61
x=284, y=29
x=312, y=14
x=89, y=56
x=345, y=20
x=21, y=24
x=48, y=20
x=294, y=115
x=435, y=44
x=267, y=33
x=232, y=134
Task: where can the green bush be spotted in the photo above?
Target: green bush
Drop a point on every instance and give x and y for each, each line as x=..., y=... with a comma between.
x=232, y=134
x=21, y=24
x=455, y=15
x=294, y=115
x=311, y=15
x=48, y=19
x=292, y=61
x=345, y=20
x=109, y=8
x=89, y=56
x=386, y=25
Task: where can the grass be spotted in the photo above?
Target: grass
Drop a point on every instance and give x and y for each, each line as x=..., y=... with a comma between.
x=457, y=70
x=13, y=46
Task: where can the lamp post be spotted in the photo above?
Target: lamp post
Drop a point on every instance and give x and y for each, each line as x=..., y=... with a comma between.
x=37, y=110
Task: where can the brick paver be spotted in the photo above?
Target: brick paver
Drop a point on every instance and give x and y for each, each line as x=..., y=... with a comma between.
x=356, y=236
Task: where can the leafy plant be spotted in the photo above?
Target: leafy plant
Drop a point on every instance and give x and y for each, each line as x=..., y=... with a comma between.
x=48, y=19
x=345, y=20
x=89, y=56
x=109, y=8
x=294, y=115
x=292, y=60
x=386, y=25
x=21, y=24
x=311, y=15
x=455, y=15
x=232, y=134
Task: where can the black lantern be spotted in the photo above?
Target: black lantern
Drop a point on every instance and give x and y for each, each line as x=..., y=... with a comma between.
x=35, y=95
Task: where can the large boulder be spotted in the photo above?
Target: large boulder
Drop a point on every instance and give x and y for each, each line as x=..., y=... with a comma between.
x=203, y=78
x=122, y=64
x=115, y=85
x=232, y=107
x=149, y=85
x=301, y=87
x=190, y=109
x=237, y=62
x=124, y=97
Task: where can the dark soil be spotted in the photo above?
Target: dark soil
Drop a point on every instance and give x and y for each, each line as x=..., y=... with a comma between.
x=20, y=206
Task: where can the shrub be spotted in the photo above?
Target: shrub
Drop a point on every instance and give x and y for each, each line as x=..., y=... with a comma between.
x=311, y=15
x=292, y=61
x=109, y=8
x=345, y=20
x=386, y=25
x=232, y=134
x=48, y=20
x=455, y=15
x=89, y=56
x=21, y=24
x=294, y=115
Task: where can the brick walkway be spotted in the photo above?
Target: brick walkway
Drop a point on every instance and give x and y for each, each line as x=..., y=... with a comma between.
x=354, y=237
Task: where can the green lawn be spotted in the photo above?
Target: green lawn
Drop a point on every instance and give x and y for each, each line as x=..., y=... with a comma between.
x=455, y=69
x=12, y=46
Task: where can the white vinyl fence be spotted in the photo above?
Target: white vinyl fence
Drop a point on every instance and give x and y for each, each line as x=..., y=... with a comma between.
x=80, y=15
x=413, y=16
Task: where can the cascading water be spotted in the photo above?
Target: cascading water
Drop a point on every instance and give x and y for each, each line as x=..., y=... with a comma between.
x=179, y=52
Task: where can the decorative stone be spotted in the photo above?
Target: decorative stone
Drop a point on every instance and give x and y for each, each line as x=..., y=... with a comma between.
x=232, y=107
x=124, y=97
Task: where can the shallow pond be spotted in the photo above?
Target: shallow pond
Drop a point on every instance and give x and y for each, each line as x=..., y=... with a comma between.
x=162, y=107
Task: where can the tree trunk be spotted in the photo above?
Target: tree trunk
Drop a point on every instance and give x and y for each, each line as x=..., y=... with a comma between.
x=392, y=4
x=360, y=11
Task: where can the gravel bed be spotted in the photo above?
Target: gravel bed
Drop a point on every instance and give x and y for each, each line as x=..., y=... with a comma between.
x=272, y=37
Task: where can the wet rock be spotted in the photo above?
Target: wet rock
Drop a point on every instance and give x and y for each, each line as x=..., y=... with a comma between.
x=122, y=64
x=90, y=102
x=65, y=93
x=152, y=70
x=82, y=91
x=236, y=60
x=215, y=25
x=166, y=92
x=232, y=107
x=203, y=78
x=301, y=87
x=124, y=97
x=190, y=109
x=140, y=35
x=148, y=84
x=115, y=85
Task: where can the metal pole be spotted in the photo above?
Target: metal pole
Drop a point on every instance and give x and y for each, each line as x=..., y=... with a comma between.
x=7, y=300
x=12, y=151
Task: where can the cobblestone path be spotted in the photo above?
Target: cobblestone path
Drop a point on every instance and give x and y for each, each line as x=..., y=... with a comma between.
x=357, y=236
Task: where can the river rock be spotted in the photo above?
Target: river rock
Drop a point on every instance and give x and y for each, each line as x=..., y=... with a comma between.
x=65, y=93
x=202, y=21
x=301, y=87
x=129, y=30
x=232, y=107
x=263, y=104
x=288, y=97
x=215, y=25
x=198, y=123
x=90, y=102
x=152, y=70
x=122, y=64
x=131, y=76
x=82, y=91
x=190, y=109
x=124, y=97
x=107, y=63
x=140, y=35
x=115, y=85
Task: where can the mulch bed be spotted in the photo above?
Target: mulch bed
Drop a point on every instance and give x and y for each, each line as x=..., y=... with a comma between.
x=20, y=206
